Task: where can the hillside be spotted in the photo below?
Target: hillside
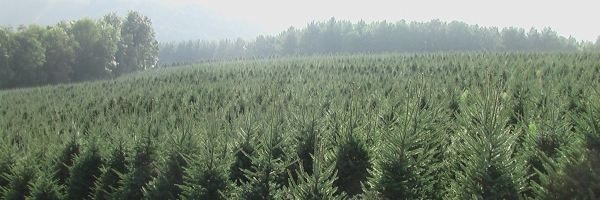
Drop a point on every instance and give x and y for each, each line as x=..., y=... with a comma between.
x=422, y=126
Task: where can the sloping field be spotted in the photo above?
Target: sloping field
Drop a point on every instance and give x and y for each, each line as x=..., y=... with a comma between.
x=430, y=126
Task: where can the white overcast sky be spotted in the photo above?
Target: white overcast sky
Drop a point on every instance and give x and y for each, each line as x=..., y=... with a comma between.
x=579, y=18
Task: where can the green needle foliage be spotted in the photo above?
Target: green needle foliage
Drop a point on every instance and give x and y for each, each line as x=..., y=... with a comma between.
x=45, y=187
x=576, y=173
x=109, y=181
x=318, y=185
x=84, y=172
x=352, y=157
x=66, y=159
x=7, y=162
x=205, y=175
x=490, y=125
x=20, y=179
x=171, y=174
x=407, y=165
x=140, y=169
x=269, y=164
x=306, y=127
x=242, y=158
x=487, y=167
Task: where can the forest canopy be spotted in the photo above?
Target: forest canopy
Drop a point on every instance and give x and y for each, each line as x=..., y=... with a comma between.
x=81, y=50
x=344, y=37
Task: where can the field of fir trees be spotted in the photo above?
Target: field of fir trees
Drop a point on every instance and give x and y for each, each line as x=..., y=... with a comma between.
x=392, y=126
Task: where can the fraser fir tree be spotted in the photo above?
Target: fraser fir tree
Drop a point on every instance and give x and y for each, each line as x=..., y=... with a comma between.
x=269, y=163
x=318, y=185
x=486, y=166
x=206, y=173
x=110, y=180
x=7, y=161
x=408, y=164
x=84, y=172
x=576, y=173
x=544, y=139
x=45, y=187
x=65, y=160
x=171, y=174
x=352, y=157
x=307, y=131
x=242, y=160
x=23, y=173
x=140, y=169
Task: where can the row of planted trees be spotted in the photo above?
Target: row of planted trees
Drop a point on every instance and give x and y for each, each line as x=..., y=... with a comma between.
x=429, y=126
x=344, y=37
x=80, y=50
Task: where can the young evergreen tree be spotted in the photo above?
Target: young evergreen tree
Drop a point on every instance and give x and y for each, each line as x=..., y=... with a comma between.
x=269, y=164
x=20, y=179
x=409, y=162
x=84, y=172
x=320, y=184
x=543, y=141
x=576, y=173
x=206, y=175
x=171, y=175
x=65, y=160
x=307, y=130
x=352, y=157
x=242, y=160
x=110, y=180
x=7, y=161
x=140, y=169
x=45, y=187
x=486, y=165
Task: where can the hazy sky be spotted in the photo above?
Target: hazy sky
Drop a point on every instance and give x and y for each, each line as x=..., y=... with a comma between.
x=579, y=18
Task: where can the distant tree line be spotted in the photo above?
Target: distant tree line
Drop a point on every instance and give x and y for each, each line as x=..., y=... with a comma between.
x=80, y=50
x=337, y=37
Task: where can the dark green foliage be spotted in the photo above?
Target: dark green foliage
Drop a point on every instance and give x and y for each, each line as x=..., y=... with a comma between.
x=206, y=175
x=268, y=173
x=109, y=181
x=84, y=173
x=487, y=167
x=81, y=50
x=140, y=170
x=6, y=163
x=171, y=174
x=209, y=184
x=409, y=155
x=398, y=180
x=320, y=184
x=165, y=185
x=21, y=177
x=544, y=142
x=45, y=187
x=352, y=163
x=242, y=160
x=65, y=160
x=266, y=122
x=576, y=173
x=307, y=130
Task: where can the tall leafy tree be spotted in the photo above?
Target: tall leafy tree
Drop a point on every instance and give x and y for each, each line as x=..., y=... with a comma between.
x=138, y=49
x=290, y=42
x=6, y=73
x=60, y=54
x=97, y=46
x=26, y=56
